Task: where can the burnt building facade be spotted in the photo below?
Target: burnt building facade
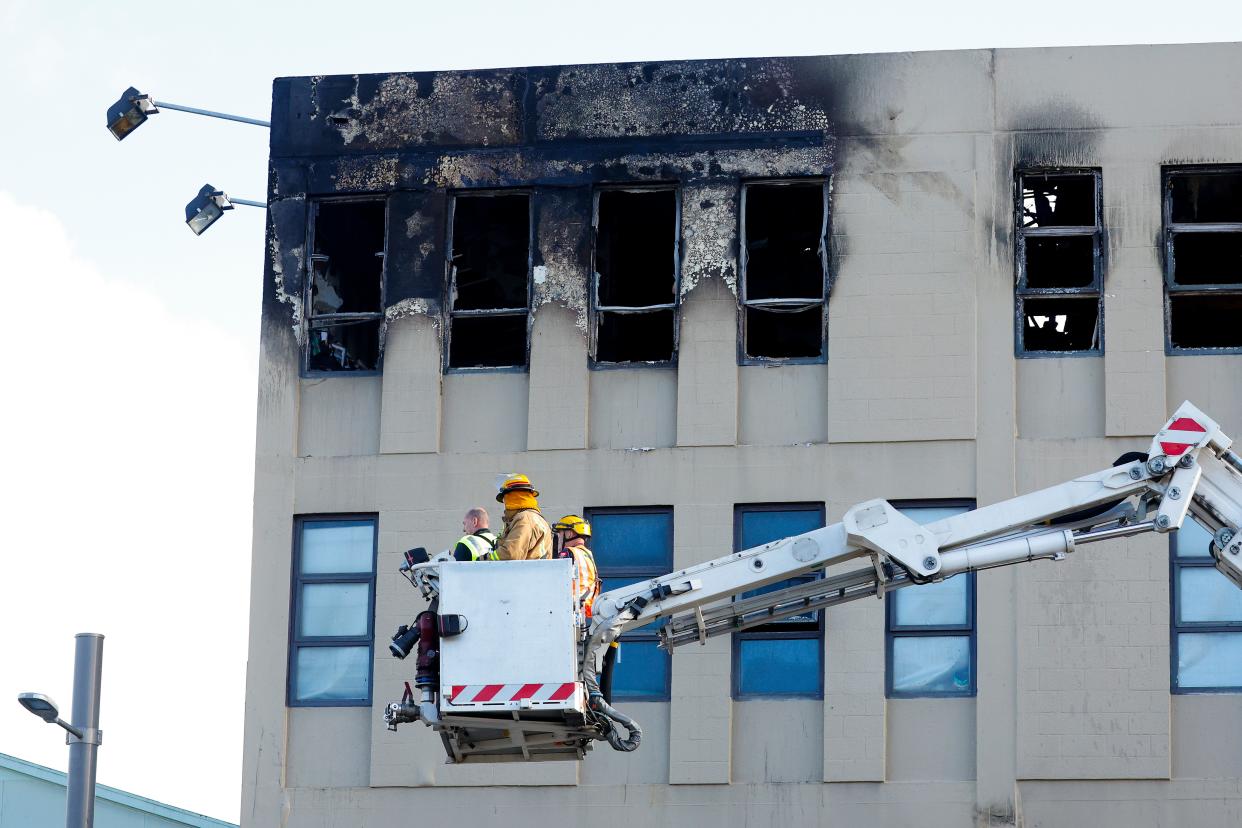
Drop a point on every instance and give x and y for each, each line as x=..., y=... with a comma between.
x=707, y=302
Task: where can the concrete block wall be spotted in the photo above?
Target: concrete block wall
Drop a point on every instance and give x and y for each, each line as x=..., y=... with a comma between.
x=921, y=398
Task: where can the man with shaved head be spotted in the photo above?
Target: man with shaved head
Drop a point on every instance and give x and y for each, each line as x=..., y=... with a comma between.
x=478, y=542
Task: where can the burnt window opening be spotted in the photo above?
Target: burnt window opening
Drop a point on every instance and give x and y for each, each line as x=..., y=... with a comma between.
x=1203, y=258
x=635, y=285
x=1059, y=263
x=784, y=270
x=489, y=281
x=345, y=305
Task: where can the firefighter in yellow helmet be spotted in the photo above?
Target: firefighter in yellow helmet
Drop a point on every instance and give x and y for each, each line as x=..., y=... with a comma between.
x=573, y=532
x=526, y=534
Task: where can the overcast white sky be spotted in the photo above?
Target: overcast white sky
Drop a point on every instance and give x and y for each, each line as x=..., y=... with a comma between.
x=126, y=430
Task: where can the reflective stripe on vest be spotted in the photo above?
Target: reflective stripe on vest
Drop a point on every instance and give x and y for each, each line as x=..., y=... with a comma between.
x=586, y=577
x=480, y=544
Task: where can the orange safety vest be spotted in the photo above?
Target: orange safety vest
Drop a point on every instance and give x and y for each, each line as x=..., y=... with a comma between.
x=586, y=577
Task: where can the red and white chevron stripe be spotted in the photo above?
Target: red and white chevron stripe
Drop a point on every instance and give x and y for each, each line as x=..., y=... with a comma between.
x=1180, y=436
x=499, y=693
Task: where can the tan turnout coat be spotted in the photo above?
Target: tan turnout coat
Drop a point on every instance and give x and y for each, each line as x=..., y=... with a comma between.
x=527, y=537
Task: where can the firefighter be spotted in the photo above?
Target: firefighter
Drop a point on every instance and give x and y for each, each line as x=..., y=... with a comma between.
x=479, y=541
x=573, y=533
x=527, y=535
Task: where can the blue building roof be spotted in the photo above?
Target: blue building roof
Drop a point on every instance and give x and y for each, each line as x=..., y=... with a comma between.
x=14, y=769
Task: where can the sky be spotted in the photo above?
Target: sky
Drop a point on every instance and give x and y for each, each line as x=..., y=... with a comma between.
x=127, y=426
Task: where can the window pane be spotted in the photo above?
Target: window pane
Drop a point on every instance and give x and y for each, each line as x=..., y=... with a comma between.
x=641, y=671
x=1191, y=541
x=785, y=334
x=1205, y=321
x=784, y=234
x=634, y=540
x=1207, y=595
x=1060, y=323
x=349, y=346
x=940, y=604
x=334, y=609
x=1209, y=660
x=635, y=337
x=349, y=262
x=758, y=527
x=491, y=251
x=487, y=341
x=1206, y=196
x=1058, y=201
x=1207, y=258
x=931, y=664
x=333, y=546
x=636, y=247
x=333, y=673
x=1060, y=261
x=779, y=666
x=924, y=515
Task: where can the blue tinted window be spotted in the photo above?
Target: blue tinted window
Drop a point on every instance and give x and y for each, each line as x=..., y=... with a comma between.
x=756, y=528
x=331, y=674
x=632, y=545
x=1209, y=660
x=632, y=540
x=931, y=664
x=931, y=627
x=779, y=666
x=785, y=657
x=642, y=670
x=333, y=612
x=1207, y=617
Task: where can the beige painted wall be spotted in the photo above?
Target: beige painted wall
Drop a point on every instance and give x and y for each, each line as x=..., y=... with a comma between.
x=921, y=398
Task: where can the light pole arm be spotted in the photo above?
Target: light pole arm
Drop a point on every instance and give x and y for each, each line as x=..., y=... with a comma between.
x=208, y=113
x=248, y=202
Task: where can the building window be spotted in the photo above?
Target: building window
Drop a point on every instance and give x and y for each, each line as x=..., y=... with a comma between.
x=635, y=287
x=1207, y=617
x=633, y=544
x=345, y=291
x=1059, y=264
x=333, y=611
x=784, y=658
x=1203, y=259
x=489, y=280
x=784, y=271
x=930, y=645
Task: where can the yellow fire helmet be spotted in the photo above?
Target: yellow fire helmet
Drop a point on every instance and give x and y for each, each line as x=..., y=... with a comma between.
x=514, y=483
x=575, y=524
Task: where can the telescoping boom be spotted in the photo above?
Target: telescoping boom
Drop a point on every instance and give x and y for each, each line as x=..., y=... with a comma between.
x=496, y=697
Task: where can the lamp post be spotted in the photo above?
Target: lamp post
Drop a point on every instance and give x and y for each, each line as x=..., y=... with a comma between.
x=83, y=734
x=131, y=111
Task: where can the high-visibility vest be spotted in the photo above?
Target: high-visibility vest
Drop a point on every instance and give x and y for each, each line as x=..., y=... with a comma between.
x=480, y=544
x=586, y=577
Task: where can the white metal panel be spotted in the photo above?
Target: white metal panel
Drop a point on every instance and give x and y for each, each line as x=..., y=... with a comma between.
x=521, y=631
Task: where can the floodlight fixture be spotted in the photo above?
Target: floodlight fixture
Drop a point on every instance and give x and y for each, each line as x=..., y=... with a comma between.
x=131, y=111
x=209, y=205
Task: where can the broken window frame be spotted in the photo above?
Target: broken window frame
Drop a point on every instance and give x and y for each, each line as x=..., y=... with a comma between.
x=450, y=276
x=323, y=320
x=1171, y=229
x=597, y=309
x=1022, y=292
x=743, y=358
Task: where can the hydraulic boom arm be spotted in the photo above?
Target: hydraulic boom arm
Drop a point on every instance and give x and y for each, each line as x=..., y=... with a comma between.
x=1189, y=469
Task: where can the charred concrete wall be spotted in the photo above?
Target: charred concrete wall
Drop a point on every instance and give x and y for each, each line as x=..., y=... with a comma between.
x=920, y=397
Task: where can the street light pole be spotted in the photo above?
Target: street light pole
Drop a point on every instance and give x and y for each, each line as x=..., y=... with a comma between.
x=87, y=676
